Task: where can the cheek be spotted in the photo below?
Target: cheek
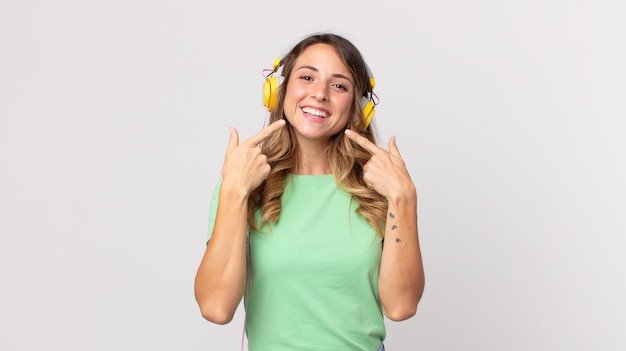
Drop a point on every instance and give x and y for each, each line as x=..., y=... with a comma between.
x=292, y=95
x=345, y=106
x=288, y=103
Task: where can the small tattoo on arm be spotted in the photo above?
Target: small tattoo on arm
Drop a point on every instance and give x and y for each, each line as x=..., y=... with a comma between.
x=394, y=227
x=398, y=240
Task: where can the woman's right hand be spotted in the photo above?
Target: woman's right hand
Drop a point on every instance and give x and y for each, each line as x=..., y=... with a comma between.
x=245, y=166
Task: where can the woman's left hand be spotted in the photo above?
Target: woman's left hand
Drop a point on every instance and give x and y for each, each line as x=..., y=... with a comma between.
x=386, y=171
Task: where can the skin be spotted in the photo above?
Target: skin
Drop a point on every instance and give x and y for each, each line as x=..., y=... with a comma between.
x=401, y=277
x=320, y=84
x=317, y=105
x=220, y=279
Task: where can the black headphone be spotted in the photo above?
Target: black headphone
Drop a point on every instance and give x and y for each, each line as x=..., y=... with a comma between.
x=272, y=84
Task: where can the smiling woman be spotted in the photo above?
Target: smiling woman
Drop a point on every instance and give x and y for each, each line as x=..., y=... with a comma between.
x=299, y=223
x=319, y=96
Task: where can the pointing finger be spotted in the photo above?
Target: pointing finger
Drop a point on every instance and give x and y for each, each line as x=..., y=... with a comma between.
x=393, y=148
x=233, y=140
x=266, y=132
x=364, y=142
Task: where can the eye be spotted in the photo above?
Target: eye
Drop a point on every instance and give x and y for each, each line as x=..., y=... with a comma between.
x=340, y=87
x=305, y=77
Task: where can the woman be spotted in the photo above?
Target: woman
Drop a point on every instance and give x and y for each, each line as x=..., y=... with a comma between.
x=317, y=198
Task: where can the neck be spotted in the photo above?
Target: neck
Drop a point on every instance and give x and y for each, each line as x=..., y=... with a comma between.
x=313, y=159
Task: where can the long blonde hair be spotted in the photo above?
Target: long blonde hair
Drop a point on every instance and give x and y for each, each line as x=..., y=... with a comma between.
x=346, y=158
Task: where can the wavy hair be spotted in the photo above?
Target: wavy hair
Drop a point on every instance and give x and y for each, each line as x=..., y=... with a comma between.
x=346, y=158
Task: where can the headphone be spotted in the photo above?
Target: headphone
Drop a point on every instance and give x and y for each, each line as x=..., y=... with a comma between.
x=272, y=84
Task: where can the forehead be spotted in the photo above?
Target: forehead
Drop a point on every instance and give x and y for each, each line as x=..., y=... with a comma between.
x=322, y=56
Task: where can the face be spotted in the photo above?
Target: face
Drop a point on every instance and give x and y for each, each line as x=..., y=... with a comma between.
x=319, y=94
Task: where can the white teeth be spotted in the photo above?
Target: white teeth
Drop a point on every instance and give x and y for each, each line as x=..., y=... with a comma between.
x=314, y=112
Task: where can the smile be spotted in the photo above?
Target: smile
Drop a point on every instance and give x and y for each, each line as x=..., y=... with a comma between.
x=314, y=112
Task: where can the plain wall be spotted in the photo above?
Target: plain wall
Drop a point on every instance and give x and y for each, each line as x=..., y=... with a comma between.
x=114, y=120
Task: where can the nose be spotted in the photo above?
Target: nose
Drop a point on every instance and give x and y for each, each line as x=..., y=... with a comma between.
x=319, y=92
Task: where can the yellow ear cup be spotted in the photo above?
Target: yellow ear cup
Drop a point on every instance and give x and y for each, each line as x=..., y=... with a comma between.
x=270, y=88
x=270, y=93
x=368, y=105
x=368, y=113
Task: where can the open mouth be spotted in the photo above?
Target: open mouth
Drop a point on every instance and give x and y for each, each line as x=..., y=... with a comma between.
x=314, y=112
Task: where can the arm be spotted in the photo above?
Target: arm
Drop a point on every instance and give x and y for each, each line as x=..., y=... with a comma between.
x=220, y=279
x=401, y=277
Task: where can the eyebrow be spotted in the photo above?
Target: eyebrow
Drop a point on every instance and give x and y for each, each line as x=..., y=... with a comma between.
x=336, y=75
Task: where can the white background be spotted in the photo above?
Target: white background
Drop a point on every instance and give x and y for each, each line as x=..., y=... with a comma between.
x=114, y=119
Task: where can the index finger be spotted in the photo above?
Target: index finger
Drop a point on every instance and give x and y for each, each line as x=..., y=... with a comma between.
x=363, y=142
x=266, y=132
